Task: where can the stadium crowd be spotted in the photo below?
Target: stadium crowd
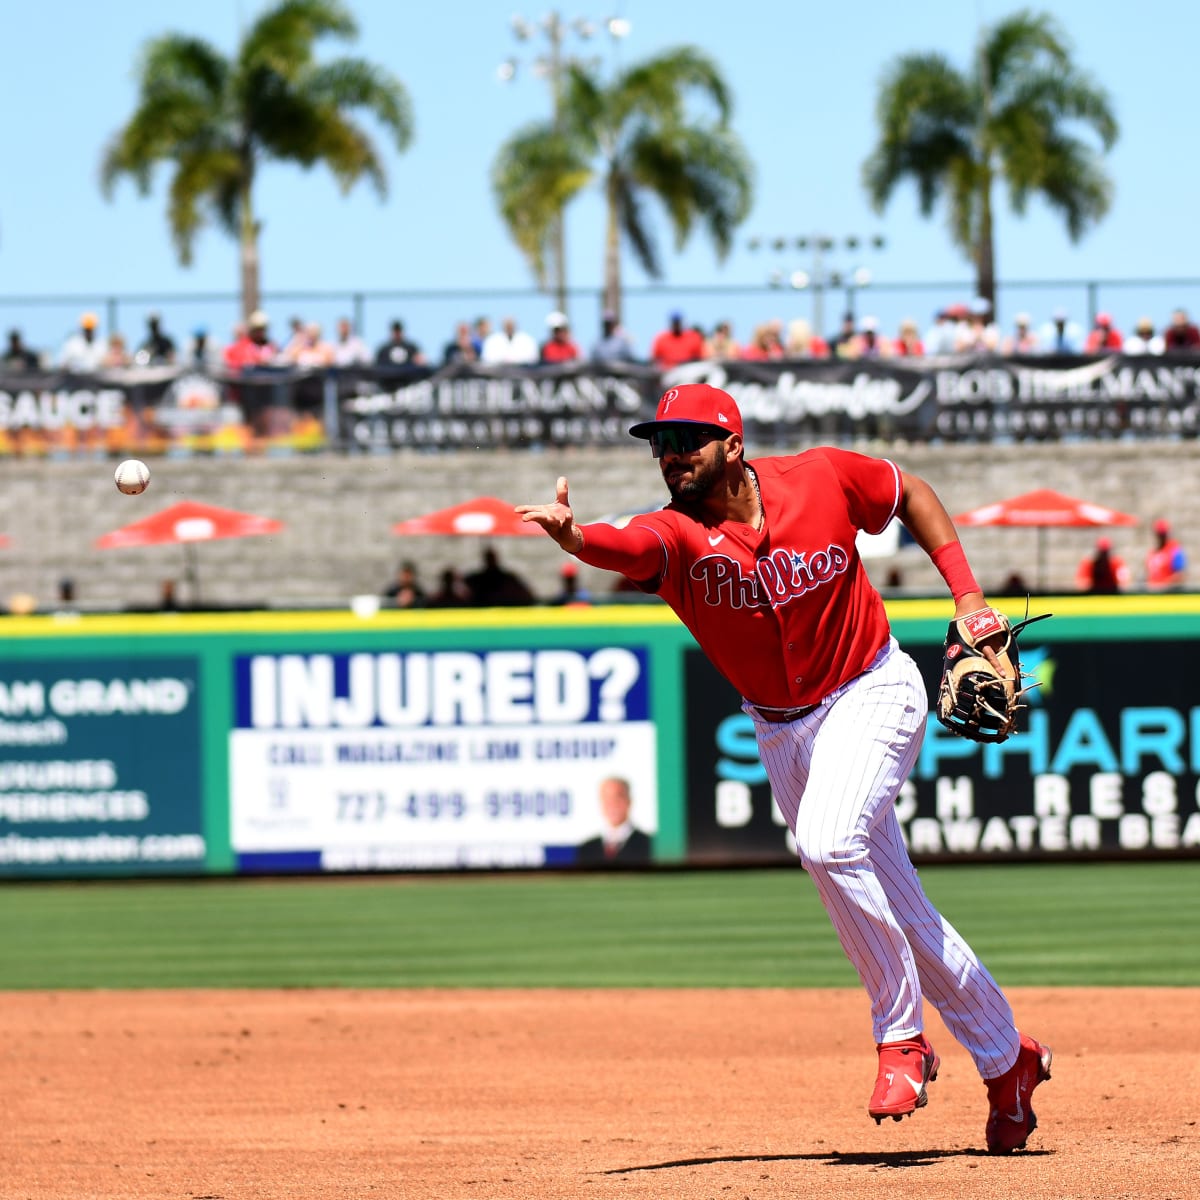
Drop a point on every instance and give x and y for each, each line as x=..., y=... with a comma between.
x=956, y=329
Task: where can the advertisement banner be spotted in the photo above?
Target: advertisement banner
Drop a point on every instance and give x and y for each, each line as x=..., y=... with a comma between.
x=100, y=770
x=976, y=398
x=467, y=407
x=1106, y=762
x=444, y=759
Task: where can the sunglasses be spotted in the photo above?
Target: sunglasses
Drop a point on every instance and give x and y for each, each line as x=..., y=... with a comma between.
x=682, y=439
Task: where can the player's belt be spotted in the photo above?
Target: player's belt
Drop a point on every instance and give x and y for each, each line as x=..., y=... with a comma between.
x=781, y=716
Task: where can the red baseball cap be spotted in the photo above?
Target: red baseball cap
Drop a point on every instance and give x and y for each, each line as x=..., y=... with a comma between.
x=1162, y=526
x=694, y=404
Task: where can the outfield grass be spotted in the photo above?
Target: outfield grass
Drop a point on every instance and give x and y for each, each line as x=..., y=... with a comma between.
x=1073, y=925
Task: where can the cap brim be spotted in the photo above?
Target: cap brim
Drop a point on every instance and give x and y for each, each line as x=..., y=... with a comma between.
x=646, y=428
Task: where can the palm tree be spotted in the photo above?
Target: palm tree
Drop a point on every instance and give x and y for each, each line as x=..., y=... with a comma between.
x=219, y=119
x=634, y=138
x=1009, y=119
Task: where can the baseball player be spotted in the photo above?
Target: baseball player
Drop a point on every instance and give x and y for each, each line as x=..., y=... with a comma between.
x=759, y=562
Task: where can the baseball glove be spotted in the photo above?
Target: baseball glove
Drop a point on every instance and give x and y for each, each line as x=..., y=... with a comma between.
x=979, y=696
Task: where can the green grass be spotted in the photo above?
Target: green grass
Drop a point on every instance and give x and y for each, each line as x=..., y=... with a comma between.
x=1075, y=925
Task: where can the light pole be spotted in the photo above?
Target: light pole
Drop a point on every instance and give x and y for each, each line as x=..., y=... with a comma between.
x=820, y=276
x=551, y=66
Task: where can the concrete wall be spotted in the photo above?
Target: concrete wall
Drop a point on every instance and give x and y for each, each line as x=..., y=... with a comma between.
x=339, y=512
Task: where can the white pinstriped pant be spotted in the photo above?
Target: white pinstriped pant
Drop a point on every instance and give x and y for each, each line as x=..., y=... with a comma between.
x=835, y=774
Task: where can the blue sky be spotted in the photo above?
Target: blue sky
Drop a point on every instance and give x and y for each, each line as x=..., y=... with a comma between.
x=804, y=78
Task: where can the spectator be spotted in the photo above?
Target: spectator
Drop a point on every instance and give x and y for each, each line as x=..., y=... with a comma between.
x=252, y=346
x=18, y=356
x=978, y=335
x=844, y=343
x=309, y=351
x=405, y=591
x=494, y=586
x=908, y=342
x=452, y=591
x=1166, y=563
x=676, y=344
x=295, y=338
x=571, y=594
x=509, y=344
x=1181, y=334
x=1103, y=336
x=158, y=348
x=398, y=350
x=461, y=347
x=722, y=346
x=764, y=344
x=1103, y=573
x=802, y=342
x=614, y=344
x=479, y=334
x=1061, y=335
x=560, y=346
x=942, y=336
x=1022, y=340
x=349, y=350
x=868, y=343
x=620, y=842
x=116, y=354
x=1014, y=585
x=1144, y=340
x=83, y=351
x=201, y=353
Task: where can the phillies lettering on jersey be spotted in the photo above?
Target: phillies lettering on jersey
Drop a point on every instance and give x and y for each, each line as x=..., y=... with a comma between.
x=786, y=613
x=779, y=577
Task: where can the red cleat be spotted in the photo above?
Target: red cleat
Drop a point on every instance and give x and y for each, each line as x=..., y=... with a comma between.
x=1010, y=1117
x=904, y=1070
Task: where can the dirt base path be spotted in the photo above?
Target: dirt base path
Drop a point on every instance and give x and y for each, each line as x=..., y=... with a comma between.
x=533, y=1095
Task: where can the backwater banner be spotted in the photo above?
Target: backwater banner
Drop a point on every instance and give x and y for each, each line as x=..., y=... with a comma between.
x=1106, y=763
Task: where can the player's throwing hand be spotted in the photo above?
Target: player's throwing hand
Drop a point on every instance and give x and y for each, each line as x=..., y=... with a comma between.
x=556, y=519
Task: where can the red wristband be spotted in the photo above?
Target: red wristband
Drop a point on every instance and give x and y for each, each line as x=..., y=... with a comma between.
x=951, y=562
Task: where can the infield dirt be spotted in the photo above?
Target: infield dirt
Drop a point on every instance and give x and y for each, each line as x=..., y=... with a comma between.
x=758, y=1094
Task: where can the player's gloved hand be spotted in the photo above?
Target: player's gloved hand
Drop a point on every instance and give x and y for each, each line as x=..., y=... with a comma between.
x=980, y=691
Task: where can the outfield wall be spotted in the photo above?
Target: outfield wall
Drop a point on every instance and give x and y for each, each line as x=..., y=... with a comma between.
x=288, y=742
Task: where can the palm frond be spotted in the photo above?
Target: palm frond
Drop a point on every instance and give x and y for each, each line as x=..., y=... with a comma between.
x=631, y=218
x=201, y=180
x=535, y=173
x=282, y=39
x=356, y=84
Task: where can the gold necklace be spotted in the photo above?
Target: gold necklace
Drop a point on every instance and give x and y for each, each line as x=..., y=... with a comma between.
x=760, y=518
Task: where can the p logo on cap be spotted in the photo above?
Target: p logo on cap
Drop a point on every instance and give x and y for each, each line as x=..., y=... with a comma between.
x=694, y=404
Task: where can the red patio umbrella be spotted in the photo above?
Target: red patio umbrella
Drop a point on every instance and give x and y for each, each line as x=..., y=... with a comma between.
x=185, y=524
x=1044, y=509
x=484, y=516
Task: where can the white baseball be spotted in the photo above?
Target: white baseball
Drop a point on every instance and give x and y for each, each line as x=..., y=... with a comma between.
x=132, y=477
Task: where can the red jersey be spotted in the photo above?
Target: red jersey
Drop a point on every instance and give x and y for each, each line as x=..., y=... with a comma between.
x=670, y=349
x=559, y=352
x=786, y=613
